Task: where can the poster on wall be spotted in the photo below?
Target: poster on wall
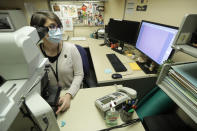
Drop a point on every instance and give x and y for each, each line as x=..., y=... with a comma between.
x=56, y=10
x=67, y=24
x=142, y=5
x=68, y=11
x=89, y=14
x=130, y=6
x=82, y=13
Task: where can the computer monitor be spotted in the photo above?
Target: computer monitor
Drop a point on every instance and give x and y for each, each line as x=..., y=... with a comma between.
x=129, y=31
x=155, y=40
x=114, y=29
x=123, y=30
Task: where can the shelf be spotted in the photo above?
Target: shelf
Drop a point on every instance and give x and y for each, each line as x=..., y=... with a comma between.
x=183, y=38
x=182, y=101
x=187, y=49
x=178, y=98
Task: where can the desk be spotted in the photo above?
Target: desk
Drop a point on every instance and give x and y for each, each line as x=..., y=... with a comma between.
x=100, y=62
x=84, y=116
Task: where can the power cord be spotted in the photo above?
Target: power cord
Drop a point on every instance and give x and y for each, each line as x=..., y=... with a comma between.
x=122, y=125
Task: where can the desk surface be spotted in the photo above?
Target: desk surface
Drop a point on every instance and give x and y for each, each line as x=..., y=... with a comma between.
x=84, y=116
x=101, y=62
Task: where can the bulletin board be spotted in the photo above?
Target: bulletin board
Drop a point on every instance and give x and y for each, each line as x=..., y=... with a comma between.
x=79, y=13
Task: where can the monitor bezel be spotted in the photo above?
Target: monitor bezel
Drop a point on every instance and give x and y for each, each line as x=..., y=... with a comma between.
x=160, y=24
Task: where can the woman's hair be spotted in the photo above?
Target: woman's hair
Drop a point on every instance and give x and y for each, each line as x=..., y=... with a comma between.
x=39, y=19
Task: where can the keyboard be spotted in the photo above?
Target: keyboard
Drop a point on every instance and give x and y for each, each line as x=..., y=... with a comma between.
x=116, y=63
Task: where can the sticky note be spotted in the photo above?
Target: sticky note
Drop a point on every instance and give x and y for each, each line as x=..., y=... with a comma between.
x=129, y=54
x=63, y=123
x=108, y=71
x=134, y=66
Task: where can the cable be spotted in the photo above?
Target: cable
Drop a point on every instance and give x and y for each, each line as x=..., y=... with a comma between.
x=122, y=125
x=46, y=122
x=28, y=114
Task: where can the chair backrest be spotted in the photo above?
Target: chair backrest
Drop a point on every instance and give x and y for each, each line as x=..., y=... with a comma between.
x=85, y=61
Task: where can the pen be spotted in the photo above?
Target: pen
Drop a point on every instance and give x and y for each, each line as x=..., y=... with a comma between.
x=134, y=106
x=132, y=102
x=131, y=110
x=136, y=101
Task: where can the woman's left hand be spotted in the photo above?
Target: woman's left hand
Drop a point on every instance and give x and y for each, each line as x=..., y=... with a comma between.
x=64, y=103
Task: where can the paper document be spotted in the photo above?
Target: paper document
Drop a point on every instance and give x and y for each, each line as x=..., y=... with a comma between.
x=78, y=38
x=134, y=66
x=188, y=71
x=183, y=91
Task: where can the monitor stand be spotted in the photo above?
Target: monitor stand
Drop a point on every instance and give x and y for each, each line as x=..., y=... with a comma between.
x=146, y=67
x=102, y=44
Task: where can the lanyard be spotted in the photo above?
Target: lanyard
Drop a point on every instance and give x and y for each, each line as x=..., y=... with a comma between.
x=55, y=73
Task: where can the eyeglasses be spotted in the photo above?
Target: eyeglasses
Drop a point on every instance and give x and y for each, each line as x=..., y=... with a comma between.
x=53, y=26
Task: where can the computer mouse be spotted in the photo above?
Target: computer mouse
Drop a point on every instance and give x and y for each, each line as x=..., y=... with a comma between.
x=116, y=76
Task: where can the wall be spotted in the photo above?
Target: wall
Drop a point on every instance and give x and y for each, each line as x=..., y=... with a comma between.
x=164, y=11
x=114, y=9
x=84, y=31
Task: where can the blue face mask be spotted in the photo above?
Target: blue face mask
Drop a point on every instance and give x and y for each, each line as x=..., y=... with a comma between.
x=55, y=35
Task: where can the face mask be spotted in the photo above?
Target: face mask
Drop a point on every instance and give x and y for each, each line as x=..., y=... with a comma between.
x=55, y=35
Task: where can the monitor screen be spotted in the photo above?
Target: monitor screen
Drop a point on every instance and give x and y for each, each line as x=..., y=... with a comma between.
x=125, y=31
x=129, y=31
x=114, y=29
x=155, y=40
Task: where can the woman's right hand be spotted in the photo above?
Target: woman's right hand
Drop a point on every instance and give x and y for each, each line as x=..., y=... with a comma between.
x=64, y=103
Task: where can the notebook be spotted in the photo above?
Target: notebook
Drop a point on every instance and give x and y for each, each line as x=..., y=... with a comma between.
x=188, y=71
x=134, y=66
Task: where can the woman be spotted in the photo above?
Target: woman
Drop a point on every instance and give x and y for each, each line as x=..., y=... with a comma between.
x=66, y=62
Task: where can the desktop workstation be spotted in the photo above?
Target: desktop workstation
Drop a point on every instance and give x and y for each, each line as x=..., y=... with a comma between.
x=101, y=62
x=138, y=79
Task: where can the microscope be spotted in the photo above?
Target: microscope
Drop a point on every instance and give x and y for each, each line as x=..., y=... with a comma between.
x=22, y=69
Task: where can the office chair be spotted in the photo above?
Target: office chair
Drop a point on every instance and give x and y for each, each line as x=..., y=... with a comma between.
x=88, y=80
